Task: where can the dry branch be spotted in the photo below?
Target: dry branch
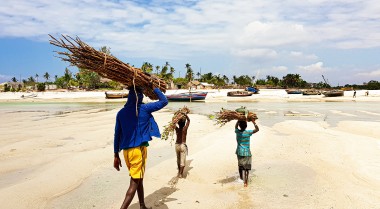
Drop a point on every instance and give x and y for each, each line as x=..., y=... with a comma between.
x=84, y=56
x=178, y=115
x=224, y=116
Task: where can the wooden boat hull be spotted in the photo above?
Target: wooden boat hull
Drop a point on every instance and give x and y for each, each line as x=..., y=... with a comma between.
x=289, y=91
x=186, y=97
x=116, y=95
x=333, y=93
x=309, y=93
x=239, y=93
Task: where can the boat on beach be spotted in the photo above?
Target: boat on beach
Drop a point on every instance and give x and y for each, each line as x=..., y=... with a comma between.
x=239, y=93
x=293, y=91
x=187, y=96
x=311, y=92
x=333, y=93
x=116, y=95
x=252, y=89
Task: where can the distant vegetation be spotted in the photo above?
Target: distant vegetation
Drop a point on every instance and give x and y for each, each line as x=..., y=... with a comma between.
x=89, y=80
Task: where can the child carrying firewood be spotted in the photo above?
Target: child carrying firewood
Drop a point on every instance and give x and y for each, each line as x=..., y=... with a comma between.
x=180, y=144
x=243, y=151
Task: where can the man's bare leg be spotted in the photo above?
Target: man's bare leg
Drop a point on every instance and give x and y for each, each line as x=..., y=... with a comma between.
x=180, y=173
x=140, y=194
x=133, y=185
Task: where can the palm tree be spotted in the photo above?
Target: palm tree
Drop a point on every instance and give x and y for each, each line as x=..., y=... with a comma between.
x=226, y=79
x=14, y=79
x=189, y=72
x=46, y=76
x=37, y=77
x=147, y=67
x=31, y=79
x=198, y=74
x=157, y=69
x=234, y=78
x=67, y=75
x=292, y=80
x=106, y=50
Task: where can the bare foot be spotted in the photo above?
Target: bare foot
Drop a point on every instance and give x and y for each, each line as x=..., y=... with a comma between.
x=245, y=184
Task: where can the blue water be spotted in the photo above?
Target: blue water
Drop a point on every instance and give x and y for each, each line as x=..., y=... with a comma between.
x=268, y=112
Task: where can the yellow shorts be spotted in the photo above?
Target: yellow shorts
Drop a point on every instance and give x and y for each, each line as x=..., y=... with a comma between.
x=135, y=158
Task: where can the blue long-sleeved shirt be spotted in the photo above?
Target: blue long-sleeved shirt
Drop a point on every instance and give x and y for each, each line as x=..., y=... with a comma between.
x=132, y=130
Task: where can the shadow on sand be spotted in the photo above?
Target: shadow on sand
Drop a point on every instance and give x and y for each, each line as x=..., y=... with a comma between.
x=158, y=198
x=230, y=179
x=173, y=182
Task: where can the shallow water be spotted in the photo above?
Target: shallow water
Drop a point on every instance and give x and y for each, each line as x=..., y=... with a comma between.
x=268, y=113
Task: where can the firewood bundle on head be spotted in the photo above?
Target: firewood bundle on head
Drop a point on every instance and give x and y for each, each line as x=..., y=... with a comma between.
x=178, y=115
x=224, y=116
x=84, y=56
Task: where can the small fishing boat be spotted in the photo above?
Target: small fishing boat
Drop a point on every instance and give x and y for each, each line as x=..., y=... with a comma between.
x=116, y=95
x=293, y=91
x=333, y=93
x=187, y=96
x=311, y=92
x=239, y=93
x=252, y=89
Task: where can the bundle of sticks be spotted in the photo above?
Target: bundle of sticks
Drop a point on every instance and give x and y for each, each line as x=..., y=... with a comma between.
x=224, y=116
x=84, y=56
x=178, y=115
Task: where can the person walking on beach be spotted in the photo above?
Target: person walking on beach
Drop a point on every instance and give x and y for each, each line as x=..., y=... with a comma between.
x=243, y=150
x=134, y=128
x=354, y=96
x=180, y=144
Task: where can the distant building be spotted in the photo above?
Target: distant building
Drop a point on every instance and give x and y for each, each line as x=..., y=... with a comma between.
x=51, y=87
x=205, y=85
x=12, y=85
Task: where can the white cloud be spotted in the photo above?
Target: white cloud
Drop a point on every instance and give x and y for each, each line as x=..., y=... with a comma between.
x=204, y=23
x=313, y=68
x=375, y=73
x=280, y=68
x=173, y=29
x=258, y=53
x=301, y=55
x=274, y=34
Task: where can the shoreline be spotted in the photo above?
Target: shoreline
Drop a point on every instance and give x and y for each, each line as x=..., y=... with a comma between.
x=268, y=95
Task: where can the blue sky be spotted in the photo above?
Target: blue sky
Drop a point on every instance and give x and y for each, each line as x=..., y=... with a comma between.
x=339, y=39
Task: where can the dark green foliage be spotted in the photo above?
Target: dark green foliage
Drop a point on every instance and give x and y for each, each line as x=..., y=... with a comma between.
x=41, y=86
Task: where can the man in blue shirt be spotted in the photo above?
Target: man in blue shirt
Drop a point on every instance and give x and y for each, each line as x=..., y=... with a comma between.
x=134, y=128
x=243, y=151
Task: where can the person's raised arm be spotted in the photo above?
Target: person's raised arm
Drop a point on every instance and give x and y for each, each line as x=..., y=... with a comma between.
x=256, y=127
x=236, y=125
x=155, y=106
x=188, y=122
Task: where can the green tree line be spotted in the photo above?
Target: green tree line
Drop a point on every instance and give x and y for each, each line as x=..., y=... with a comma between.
x=87, y=79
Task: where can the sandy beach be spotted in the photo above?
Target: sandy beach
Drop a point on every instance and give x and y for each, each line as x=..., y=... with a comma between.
x=52, y=156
